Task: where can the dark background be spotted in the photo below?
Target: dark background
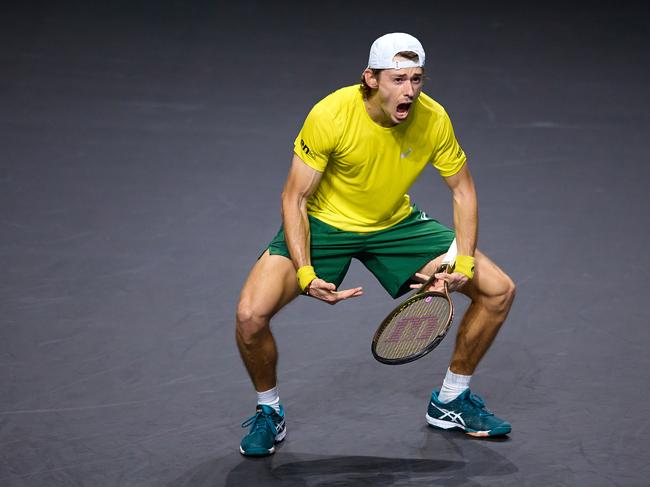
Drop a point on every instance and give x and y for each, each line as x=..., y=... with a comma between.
x=143, y=148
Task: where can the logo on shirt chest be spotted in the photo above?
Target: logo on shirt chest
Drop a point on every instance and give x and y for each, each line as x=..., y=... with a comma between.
x=406, y=153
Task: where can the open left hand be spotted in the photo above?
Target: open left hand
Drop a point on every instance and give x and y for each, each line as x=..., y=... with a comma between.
x=326, y=291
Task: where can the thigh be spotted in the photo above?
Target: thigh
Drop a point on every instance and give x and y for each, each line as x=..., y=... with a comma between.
x=394, y=255
x=270, y=285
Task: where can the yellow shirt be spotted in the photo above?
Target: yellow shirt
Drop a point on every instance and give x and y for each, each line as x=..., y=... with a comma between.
x=367, y=168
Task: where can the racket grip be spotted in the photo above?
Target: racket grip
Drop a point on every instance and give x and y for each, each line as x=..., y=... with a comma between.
x=446, y=266
x=450, y=256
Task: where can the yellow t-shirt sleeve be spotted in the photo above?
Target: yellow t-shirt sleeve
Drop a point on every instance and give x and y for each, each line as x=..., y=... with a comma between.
x=317, y=139
x=448, y=155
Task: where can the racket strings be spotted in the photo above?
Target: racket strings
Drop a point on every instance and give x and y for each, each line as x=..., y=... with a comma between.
x=414, y=327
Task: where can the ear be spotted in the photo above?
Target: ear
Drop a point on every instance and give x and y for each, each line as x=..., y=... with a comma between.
x=371, y=78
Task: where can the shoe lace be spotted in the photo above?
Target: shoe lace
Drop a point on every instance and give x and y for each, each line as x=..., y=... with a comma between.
x=258, y=421
x=478, y=402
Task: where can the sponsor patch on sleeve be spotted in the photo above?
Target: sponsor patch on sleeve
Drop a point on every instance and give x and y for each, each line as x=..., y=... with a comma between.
x=306, y=150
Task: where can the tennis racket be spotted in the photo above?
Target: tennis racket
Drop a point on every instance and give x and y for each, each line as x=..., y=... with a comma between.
x=417, y=325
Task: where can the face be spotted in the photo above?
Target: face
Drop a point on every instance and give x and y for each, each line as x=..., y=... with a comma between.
x=397, y=90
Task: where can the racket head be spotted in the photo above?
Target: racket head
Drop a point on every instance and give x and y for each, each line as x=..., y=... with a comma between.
x=413, y=328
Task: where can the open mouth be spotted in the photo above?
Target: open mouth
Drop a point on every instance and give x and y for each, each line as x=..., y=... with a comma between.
x=403, y=109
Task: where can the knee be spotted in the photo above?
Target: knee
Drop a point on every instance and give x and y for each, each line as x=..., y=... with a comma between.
x=510, y=292
x=251, y=323
x=500, y=297
x=503, y=301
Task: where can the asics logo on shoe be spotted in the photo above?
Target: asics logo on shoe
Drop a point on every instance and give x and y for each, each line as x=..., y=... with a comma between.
x=450, y=415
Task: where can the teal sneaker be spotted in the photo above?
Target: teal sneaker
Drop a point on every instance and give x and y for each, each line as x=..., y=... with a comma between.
x=467, y=412
x=267, y=429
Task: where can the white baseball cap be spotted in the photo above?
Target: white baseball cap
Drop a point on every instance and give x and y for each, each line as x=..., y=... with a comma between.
x=384, y=49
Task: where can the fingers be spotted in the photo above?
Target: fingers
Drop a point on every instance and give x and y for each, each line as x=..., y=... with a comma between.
x=422, y=277
x=326, y=291
x=436, y=285
x=348, y=293
x=322, y=284
x=456, y=281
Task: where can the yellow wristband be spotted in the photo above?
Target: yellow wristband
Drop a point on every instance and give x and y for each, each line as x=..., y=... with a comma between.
x=465, y=265
x=305, y=275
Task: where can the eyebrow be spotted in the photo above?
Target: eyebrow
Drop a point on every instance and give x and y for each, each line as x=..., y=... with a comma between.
x=398, y=76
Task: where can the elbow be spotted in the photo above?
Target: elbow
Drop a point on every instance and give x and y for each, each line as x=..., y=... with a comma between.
x=466, y=199
x=465, y=194
x=290, y=200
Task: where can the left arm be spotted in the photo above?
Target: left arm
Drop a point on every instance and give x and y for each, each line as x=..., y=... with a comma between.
x=465, y=204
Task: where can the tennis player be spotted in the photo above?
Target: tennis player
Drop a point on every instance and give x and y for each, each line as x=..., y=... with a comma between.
x=358, y=153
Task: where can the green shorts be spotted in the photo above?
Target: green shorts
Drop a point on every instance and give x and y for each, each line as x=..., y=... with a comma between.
x=393, y=255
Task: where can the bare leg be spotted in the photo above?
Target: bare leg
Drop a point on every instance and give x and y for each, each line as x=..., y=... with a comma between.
x=492, y=293
x=271, y=285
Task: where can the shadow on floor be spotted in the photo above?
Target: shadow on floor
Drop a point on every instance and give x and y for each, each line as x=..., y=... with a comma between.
x=306, y=470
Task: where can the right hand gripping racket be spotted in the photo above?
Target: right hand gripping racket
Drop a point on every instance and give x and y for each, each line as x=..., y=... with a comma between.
x=417, y=325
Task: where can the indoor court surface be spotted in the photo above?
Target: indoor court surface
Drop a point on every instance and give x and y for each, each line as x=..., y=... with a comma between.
x=143, y=149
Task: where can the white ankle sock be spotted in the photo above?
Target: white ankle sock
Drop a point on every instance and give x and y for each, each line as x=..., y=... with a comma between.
x=453, y=386
x=270, y=398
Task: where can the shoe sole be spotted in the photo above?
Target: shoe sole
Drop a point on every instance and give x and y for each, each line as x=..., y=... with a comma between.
x=264, y=453
x=447, y=425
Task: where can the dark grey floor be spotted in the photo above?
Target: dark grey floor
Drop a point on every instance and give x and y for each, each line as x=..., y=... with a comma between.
x=142, y=152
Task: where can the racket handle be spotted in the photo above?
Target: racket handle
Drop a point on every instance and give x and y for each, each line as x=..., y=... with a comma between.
x=446, y=266
x=448, y=260
x=450, y=256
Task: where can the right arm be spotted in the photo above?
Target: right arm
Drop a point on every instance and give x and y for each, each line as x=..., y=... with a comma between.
x=300, y=185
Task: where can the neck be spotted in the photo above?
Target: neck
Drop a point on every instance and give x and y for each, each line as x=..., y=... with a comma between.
x=377, y=115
